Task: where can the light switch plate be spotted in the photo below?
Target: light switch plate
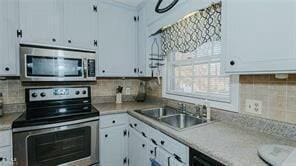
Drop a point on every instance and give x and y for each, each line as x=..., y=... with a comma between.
x=254, y=106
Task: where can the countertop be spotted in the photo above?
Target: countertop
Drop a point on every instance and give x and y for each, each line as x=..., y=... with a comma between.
x=7, y=119
x=227, y=143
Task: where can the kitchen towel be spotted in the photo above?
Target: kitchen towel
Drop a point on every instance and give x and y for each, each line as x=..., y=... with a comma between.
x=154, y=163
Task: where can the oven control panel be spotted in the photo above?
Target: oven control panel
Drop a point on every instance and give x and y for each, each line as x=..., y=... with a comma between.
x=57, y=93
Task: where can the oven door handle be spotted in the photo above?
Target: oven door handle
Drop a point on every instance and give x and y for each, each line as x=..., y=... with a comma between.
x=85, y=68
x=30, y=128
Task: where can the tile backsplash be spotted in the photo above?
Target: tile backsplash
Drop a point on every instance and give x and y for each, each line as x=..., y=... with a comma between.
x=14, y=90
x=278, y=96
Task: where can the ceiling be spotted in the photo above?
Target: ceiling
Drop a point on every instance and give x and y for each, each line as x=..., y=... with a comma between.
x=130, y=2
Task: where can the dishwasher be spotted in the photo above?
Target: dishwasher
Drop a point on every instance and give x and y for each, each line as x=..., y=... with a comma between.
x=198, y=159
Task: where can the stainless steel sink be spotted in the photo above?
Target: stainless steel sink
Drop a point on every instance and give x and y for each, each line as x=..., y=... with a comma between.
x=158, y=113
x=172, y=117
x=182, y=121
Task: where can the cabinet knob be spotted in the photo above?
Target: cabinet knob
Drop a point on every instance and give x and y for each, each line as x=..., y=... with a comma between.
x=106, y=135
x=232, y=63
x=103, y=71
x=135, y=70
x=151, y=151
x=113, y=121
x=143, y=145
x=69, y=41
x=162, y=142
x=135, y=124
x=7, y=69
x=1, y=159
x=54, y=40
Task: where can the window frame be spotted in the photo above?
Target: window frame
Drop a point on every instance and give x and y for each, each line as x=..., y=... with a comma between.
x=230, y=105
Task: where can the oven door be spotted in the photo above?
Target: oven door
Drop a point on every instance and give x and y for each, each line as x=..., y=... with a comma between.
x=49, y=64
x=75, y=144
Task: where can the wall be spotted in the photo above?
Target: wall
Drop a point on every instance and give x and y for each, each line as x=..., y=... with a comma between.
x=278, y=96
x=103, y=90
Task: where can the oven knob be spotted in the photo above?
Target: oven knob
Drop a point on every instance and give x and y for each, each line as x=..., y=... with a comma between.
x=34, y=95
x=42, y=94
x=84, y=92
x=77, y=92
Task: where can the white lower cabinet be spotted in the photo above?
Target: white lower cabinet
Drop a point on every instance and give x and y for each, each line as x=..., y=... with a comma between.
x=137, y=144
x=113, y=142
x=137, y=148
x=5, y=156
x=6, y=148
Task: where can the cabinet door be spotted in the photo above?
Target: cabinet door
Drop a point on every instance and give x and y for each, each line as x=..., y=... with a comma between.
x=113, y=146
x=8, y=38
x=40, y=22
x=6, y=156
x=137, y=149
x=117, y=40
x=142, y=35
x=80, y=23
x=258, y=39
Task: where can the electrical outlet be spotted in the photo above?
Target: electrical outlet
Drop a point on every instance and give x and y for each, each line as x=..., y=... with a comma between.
x=254, y=106
x=127, y=91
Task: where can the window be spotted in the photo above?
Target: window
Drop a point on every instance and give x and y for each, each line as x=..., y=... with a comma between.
x=194, y=61
x=198, y=73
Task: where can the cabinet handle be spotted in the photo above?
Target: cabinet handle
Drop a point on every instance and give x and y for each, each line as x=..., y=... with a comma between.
x=151, y=151
x=232, y=63
x=106, y=135
x=113, y=121
x=162, y=142
x=54, y=40
x=135, y=70
x=131, y=126
x=69, y=41
x=7, y=68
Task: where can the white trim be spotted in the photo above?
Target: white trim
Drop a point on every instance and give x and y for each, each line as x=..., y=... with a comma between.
x=233, y=105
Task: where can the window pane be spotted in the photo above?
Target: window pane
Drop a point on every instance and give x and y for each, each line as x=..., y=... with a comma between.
x=215, y=69
x=182, y=85
x=183, y=71
x=200, y=85
x=219, y=85
x=201, y=70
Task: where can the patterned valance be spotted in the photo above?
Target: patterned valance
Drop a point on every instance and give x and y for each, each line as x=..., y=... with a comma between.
x=193, y=31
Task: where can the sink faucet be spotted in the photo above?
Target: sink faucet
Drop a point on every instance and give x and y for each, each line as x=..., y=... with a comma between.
x=182, y=107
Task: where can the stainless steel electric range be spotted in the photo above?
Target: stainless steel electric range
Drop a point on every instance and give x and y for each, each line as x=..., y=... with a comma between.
x=59, y=127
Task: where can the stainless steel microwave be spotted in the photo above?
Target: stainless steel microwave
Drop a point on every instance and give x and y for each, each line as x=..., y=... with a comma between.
x=56, y=64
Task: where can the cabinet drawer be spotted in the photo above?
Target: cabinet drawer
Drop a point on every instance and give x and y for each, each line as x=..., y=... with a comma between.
x=5, y=138
x=138, y=126
x=113, y=120
x=5, y=156
x=169, y=144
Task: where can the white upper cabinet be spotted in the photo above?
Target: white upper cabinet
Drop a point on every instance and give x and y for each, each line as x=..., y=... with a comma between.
x=259, y=36
x=40, y=22
x=80, y=22
x=117, y=45
x=66, y=23
x=9, y=18
x=142, y=37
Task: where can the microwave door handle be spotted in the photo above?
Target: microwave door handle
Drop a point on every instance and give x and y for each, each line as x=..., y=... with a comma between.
x=85, y=68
